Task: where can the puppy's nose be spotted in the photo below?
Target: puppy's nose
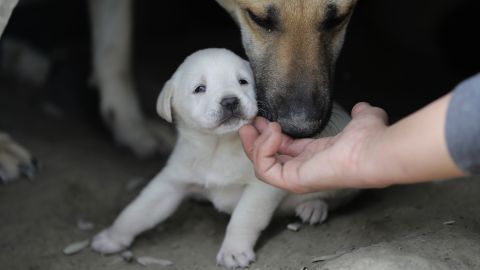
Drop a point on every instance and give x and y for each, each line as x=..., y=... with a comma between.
x=230, y=103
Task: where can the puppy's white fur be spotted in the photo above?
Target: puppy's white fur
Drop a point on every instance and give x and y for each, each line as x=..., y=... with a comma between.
x=208, y=160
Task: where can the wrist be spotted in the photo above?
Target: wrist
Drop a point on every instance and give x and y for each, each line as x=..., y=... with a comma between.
x=413, y=149
x=379, y=160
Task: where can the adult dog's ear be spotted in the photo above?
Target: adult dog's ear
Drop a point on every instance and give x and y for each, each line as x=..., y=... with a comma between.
x=230, y=6
x=164, y=101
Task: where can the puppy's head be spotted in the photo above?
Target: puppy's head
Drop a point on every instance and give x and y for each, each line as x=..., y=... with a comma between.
x=212, y=91
x=292, y=46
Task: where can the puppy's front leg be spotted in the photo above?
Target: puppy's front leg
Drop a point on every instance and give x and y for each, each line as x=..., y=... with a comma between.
x=250, y=217
x=155, y=203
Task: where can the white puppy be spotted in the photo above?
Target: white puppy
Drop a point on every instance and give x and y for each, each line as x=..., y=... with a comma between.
x=210, y=96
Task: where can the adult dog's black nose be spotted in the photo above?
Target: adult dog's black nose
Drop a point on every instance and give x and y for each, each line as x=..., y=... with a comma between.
x=230, y=103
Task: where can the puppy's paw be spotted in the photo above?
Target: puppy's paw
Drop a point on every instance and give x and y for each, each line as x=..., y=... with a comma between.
x=312, y=212
x=235, y=256
x=15, y=160
x=105, y=243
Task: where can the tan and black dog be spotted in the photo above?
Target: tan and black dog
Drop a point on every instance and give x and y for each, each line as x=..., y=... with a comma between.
x=292, y=47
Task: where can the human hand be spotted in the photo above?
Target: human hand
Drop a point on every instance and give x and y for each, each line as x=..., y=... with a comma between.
x=309, y=165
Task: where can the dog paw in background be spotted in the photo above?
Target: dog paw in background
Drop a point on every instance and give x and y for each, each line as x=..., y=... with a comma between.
x=143, y=137
x=15, y=160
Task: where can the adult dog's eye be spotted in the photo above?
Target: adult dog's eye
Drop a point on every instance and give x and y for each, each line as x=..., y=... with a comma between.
x=200, y=89
x=331, y=23
x=332, y=18
x=266, y=23
x=243, y=82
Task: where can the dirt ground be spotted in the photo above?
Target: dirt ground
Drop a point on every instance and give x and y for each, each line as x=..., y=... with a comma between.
x=84, y=175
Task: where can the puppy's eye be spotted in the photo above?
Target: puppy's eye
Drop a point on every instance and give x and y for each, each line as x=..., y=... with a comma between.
x=200, y=89
x=267, y=23
x=243, y=82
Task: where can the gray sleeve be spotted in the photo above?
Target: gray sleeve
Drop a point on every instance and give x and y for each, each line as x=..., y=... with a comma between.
x=462, y=126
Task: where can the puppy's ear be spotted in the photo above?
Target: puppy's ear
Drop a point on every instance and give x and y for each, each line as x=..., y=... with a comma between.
x=164, y=101
x=230, y=6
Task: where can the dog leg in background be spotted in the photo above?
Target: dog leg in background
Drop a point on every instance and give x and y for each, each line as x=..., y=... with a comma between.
x=111, y=23
x=14, y=159
x=156, y=202
x=250, y=217
x=6, y=8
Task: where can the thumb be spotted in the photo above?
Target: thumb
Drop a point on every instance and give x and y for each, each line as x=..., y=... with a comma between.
x=364, y=109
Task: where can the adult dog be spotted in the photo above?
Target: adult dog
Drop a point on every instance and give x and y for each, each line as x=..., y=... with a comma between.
x=210, y=96
x=292, y=46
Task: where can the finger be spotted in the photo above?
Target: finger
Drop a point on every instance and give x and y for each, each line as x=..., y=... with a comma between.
x=267, y=144
x=381, y=114
x=248, y=136
x=293, y=147
x=359, y=108
x=260, y=123
x=288, y=145
x=267, y=167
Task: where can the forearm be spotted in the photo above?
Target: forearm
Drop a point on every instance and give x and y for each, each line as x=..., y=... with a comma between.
x=414, y=149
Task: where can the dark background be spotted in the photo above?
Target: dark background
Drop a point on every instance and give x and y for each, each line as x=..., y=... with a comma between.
x=399, y=55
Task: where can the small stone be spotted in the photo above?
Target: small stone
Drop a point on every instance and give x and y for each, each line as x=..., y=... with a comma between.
x=127, y=256
x=150, y=260
x=294, y=226
x=328, y=257
x=450, y=222
x=76, y=247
